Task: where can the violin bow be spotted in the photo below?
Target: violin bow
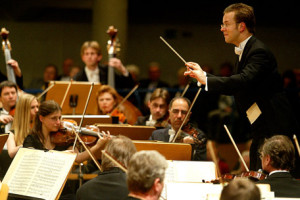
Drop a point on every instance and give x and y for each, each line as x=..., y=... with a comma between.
x=214, y=158
x=67, y=91
x=88, y=150
x=185, y=89
x=125, y=98
x=84, y=110
x=114, y=160
x=46, y=90
x=297, y=144
x=237, y=150
x=186, y=116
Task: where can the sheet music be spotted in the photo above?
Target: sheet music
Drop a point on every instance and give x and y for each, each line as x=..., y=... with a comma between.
x=39, y=174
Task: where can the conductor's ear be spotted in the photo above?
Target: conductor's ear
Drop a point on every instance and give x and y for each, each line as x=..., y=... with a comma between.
x=242, y=26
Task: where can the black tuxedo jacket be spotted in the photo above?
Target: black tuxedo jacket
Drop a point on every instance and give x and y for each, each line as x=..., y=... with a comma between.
x=120, y=80
x=256, y=80
x=199, y=151
x=283, y=185
x=109, y=184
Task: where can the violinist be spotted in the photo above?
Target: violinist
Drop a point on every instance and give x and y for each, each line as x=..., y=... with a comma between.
x=91, y=55
x=178, y=109
x=26, y=109
x=278, y=156
x=111, y=183
x=107, y=98
x=8, y=97
x=47, y=121
x=158, y=106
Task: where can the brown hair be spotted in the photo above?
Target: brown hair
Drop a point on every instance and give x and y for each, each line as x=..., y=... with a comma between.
x=110, y=90
x=281, y=151
x=240, y=189
x=243, y=13
x=121, y=148
x=9, y=84
x=160, y=93
x=46, y=108
x=91, y=44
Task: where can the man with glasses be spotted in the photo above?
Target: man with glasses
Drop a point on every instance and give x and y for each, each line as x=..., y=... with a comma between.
x=178, y=110
x=256, y=84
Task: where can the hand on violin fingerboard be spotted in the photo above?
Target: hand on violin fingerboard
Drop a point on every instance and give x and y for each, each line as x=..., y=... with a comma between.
x=188, y=140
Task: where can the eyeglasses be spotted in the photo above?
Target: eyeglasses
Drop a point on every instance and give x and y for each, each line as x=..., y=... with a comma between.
x=227, y=25
x=176, y=111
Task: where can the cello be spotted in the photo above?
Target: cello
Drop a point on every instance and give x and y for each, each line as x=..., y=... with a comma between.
x=7, y=48
x=113, y=46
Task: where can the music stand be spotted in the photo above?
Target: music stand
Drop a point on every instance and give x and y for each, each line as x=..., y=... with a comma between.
x=89, y=119
x=81, y=89
x=3, y=138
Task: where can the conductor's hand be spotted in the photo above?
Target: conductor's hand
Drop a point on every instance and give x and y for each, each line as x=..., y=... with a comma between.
x=116, y=63
x=195, y=71
x=14, y=64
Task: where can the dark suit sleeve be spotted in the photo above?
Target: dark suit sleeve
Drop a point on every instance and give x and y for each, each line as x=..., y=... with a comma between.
x=258, y=66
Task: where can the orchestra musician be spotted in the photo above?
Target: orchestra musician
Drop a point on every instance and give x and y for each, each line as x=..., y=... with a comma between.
x=255, y=84
x=26, y=109
x=8, y=97
x=19, y=77
x=145, y=176
x=278, y=157
x=158, y=106
x=178, y=109
x=91, y=55
x=108, y=100
x=111, y=183
x=47, y=121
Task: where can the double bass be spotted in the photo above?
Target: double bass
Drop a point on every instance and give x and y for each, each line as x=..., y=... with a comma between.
x=130, y=111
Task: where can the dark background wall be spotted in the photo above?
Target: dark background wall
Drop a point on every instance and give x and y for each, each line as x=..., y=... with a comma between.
x=43, y=32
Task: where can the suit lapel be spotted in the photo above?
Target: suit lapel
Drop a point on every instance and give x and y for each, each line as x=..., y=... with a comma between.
x=248, y=46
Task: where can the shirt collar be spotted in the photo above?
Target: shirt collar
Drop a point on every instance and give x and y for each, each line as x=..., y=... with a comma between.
x=243, y=44
x=276, y=171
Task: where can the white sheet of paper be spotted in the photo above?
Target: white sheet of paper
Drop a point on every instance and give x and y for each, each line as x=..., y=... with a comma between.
x=253, y=113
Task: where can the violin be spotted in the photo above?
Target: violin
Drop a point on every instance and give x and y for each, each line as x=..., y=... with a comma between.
x=254, y=175
x=188, y=129
x=119, y=114
x=65, y=135
x=163, y=122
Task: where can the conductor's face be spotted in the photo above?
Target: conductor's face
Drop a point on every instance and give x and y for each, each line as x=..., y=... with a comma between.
x=230, y=29
x=178, y=112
